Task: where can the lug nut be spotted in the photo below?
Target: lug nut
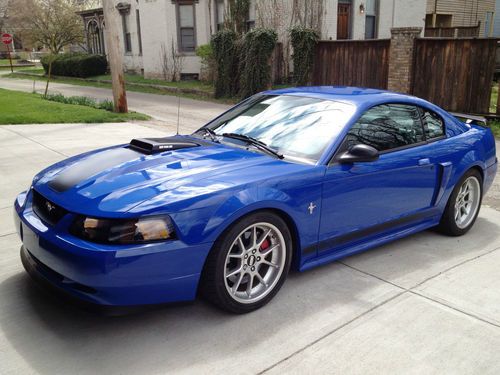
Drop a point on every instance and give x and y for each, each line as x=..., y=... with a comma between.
x=258, y=259
x=254, y=251
x=246, y=256
x=253, y=268
x=245, y=267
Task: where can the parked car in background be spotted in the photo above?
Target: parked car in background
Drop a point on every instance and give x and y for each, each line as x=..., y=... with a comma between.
x=292, y=178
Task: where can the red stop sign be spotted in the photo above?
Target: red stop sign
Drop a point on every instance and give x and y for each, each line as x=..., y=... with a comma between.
x=6, y=38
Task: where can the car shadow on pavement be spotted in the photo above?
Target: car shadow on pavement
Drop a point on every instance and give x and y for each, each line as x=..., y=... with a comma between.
x=50, y=336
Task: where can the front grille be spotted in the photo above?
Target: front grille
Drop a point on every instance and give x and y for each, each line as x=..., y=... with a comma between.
x=46, y=210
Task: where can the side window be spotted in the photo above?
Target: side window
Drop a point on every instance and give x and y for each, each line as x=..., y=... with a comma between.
x=386, y=127
x=433, y=124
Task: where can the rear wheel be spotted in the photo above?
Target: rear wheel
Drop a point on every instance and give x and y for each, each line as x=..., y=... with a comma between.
x=463, y=206
x=248, y=264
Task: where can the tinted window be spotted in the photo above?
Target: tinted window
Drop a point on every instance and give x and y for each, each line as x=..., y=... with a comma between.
x=386, y=127
x=433, y=125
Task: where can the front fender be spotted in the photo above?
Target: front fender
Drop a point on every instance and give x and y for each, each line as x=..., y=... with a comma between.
x=245, y=202
x=290, y=195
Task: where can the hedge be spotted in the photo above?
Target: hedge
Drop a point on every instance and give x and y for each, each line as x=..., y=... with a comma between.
x=304, y=41
x=255, y=70
x=75, y=65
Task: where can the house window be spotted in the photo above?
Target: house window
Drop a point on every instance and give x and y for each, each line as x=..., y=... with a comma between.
x=371, y=19
x=186, y=26
x=251, y=16
x=95, y=40
x=127, y=39
x=139, y=35
x=219, y=14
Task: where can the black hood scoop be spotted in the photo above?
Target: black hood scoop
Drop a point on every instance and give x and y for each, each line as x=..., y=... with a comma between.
x=151, y=146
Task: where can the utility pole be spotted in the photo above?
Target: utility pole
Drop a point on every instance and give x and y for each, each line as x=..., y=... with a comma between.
x=111, y=17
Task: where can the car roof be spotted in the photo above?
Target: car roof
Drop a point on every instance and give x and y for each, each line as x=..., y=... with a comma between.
x=358, y=96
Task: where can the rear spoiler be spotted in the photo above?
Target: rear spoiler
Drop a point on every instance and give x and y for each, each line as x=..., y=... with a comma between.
x=471, y=119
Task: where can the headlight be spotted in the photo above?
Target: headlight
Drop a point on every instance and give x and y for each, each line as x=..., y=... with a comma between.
x=126, y=231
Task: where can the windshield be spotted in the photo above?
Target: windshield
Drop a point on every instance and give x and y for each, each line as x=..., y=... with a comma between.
x=297, y=127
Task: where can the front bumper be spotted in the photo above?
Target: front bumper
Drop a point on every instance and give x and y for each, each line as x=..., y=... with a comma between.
x=103, y=274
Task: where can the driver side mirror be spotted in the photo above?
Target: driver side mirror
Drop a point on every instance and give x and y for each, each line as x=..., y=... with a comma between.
x=359, y=153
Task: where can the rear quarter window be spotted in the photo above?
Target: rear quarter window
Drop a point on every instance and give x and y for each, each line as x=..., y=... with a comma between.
x=433, y=124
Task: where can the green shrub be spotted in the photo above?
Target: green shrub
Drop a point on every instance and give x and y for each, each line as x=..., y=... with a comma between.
x=106, y=104
x=303, y=42
x=255, y=68
x=208, y=65
x=75, y=65
x=223, y=46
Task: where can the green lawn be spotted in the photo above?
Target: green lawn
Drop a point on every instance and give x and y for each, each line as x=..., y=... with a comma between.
x=494, y=97
x=135, y=78
x=495, y=128
x=24, y=108
x=6, y=61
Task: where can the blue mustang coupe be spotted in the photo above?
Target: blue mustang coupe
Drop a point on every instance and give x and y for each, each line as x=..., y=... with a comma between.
x=288, y=178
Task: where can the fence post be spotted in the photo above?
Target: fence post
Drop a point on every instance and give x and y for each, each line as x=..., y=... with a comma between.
x=401, y=58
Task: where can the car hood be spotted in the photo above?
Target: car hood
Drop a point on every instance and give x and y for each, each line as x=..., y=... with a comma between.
x=112, y=181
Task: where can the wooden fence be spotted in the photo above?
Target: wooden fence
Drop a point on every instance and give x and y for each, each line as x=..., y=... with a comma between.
x=362, y=63
x=453, y=32
x=456, y=74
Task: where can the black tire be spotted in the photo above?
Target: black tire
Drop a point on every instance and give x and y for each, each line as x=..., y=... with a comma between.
x=448, y=223
x=213, y=283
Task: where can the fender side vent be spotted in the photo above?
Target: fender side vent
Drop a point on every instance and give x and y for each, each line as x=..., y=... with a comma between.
x=151, y=146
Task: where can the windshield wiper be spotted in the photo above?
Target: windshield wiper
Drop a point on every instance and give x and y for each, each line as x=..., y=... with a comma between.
x=255, y=142
x=210, y=133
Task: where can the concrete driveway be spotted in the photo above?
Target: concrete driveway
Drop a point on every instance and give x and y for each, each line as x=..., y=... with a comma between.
x=425, y=304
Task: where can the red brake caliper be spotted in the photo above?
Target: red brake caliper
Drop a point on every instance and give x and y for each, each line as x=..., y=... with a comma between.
x=265, y=245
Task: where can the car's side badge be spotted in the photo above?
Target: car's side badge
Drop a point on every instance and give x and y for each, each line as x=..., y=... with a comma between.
x=311, y=208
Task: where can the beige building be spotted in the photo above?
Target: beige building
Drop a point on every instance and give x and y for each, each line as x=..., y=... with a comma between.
x=461, y=13
x=152, y=27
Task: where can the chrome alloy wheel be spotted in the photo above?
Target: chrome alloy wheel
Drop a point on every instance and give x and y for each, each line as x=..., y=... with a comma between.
x=255, y=262
x=467, y=202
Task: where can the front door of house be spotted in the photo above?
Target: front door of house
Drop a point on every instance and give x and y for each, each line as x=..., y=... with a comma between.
x=343, y=18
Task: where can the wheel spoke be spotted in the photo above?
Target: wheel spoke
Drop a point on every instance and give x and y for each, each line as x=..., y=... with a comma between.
x=269, y=250
x=261, y=280
x=254, y=235
x=234, y=272
x=237, y=284
x=268, y=263
x=263, y=238
x=249, y=285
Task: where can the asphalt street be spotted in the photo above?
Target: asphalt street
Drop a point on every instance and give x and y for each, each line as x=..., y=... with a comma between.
x=425, y=304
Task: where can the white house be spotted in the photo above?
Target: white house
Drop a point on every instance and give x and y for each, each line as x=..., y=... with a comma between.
x=150, y=27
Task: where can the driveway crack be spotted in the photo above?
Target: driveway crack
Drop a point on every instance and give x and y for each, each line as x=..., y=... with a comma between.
x=332, y=332
x=35, y=141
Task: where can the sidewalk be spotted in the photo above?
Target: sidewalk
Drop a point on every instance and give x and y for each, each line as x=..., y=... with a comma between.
x=193, y=113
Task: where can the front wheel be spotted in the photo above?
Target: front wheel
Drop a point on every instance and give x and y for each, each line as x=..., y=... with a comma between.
x=463, y=206
x=248, y=264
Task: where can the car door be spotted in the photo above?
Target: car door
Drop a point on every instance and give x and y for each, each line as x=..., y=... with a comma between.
x=362, y=199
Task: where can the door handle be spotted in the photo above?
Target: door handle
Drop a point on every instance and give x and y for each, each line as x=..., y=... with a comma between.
x=425, y=161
